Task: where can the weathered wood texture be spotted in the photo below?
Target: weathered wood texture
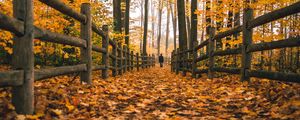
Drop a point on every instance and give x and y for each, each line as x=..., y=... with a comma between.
x=194, y=63
x=114, y=61
x=98, y=49
x=98, y=67
x=11, y=78
x=137, y=62
x=42, y=74
x=177, y=66
x=275, y=15
x=17, y=27
x=211, y=48
x=227, y=70
x=120, y=62
x=247, y=40
x=286, y=77
x=235, y=30
x=23, y=58
x=228, y=52
x=86, y=34
x=125, y=58
x=131, y=60
x=105, y=56
x=290, y=42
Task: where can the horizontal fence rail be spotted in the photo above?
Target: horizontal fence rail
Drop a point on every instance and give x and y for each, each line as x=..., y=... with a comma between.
x=119, y=60
x=180, y=63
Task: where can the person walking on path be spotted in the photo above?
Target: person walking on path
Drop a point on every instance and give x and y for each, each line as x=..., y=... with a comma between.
x=161, y=60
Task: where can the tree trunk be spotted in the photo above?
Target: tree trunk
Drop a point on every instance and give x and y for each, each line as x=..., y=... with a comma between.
x=142, y=21
x=188, y=28
x=182, y=30
x=167, y=34
x=237, y=22
x=117, y=16
x=229, y=25
x=153, y=23
x=208, y=19
x=194, y=23
x=174, y=20
x=159, y=26
x=127, y=22
x=145, y=28
x=219, y=25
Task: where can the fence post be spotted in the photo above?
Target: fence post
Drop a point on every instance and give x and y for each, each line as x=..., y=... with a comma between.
x=120, y=56
x=137, y=62
x=86, y=34
x=142, y=60
x=125, y=58
x=194, y=63
x=128, y=58
x=153, y=60
x=131, y=60
x=177, y=61
x=247, y=40
x=211, y=47
x=23, y=58
x=146, y=60
x=183, y=56
x=114, y=61
x=172, y=62
x=105, y=56
x=149, y=60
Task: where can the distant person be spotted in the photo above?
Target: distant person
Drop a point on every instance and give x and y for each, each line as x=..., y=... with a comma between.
x=161, y=60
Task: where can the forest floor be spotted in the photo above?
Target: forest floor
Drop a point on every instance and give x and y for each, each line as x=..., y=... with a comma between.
x=157, y=93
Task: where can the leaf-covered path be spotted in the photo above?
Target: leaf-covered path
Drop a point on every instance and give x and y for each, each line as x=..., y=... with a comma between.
x=159, y=94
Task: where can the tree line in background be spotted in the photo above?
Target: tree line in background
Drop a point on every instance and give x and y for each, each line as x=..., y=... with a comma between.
x=186, y=21
x=194, y=18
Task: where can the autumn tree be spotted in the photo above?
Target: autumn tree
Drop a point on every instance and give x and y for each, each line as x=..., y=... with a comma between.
x=182, y=28
x=145, y=29
x=117, y=16
x=188, y=23
x=167, y=31
x=127, y=17
x=152, y=23
x=160, y=7
x=174, y=21
x=194, y=23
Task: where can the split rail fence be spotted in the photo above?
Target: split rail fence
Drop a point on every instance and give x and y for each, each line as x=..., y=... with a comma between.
x=23, y=75
x=189, y=64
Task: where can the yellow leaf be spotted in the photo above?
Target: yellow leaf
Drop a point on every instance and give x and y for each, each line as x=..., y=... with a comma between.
x=69, y=106
x=66, y=55
x=34, y=117
x=169, y=101
x=9, y=50
x=51, y=50
x=120, y=97
x=57, y=112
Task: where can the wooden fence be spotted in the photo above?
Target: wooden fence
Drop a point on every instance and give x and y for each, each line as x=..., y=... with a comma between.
x=184, y=64
x=23, y=75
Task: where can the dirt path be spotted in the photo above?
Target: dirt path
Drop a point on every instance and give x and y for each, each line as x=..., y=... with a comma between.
x=159, y=94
